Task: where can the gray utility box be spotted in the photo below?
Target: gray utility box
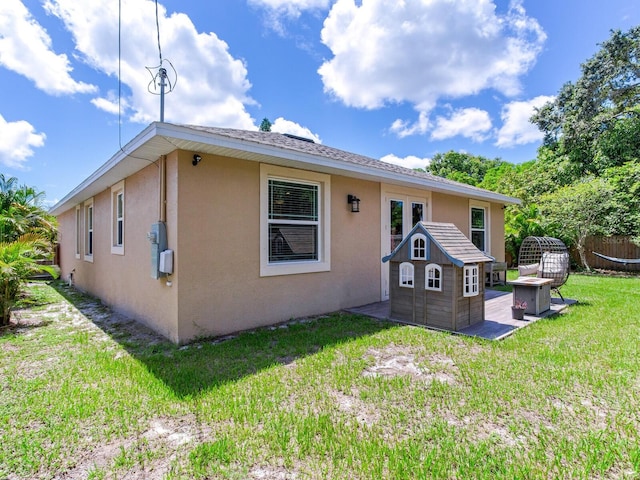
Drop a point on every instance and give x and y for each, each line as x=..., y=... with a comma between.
x=158, y=238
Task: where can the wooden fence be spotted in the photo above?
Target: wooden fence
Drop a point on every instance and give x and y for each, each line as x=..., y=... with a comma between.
x=618, y=247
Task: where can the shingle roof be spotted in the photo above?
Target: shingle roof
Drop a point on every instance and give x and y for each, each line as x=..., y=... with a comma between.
x=451, y=241
x=283, y=141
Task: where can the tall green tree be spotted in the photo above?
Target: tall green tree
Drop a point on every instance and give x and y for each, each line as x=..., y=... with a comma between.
x=577, y=211
x=462, y=167
x=594, y=122
x=265, y=125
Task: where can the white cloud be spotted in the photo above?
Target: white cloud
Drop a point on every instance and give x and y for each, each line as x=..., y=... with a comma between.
x=211, y=88
x=281, y=125
x=516, y=128
x=471, y=123
x=390, y=51
x=410, y=161
x=110, y=103
x=25, y=48
x=279, y=11
x=16, y=142
x=404, y=129
x=291, y=8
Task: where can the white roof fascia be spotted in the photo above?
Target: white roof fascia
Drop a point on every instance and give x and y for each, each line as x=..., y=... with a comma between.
x=112, y=171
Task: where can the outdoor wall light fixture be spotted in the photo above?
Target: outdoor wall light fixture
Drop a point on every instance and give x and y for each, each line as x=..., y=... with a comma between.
x=196, y=159
x=354, y=202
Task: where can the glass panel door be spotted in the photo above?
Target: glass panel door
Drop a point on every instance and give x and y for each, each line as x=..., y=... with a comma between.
x=396, y=223
x=417, y=213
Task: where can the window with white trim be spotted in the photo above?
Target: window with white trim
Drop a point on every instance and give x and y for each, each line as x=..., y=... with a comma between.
x=78, y=231
x=433, y=277
x=470, y=286
x=418, y=247
x=117, y=218
x=293, y=220
x=479, y=225
x=406, y=275
x=295, y=224
x=88, y=230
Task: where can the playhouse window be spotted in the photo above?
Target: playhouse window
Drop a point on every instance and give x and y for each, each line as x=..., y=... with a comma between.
x=470, y=278
x=117, y=218
x=295, y=221
x=418, y=247
x=88, y=230
x=406, y=275
x=433, y=277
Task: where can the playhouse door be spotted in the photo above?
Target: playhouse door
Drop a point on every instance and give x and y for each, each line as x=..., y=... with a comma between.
x=400, y=214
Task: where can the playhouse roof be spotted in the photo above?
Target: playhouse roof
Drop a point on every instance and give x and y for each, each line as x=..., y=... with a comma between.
x=450, y=240
x=268, y=147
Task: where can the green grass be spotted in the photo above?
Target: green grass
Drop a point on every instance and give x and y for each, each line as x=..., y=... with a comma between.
x=93, y=399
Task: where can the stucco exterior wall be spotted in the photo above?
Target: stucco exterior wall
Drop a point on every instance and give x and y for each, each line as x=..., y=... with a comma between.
x=451, y=209
x=213, y=226
x=123, y=281
x=456, y=210
x=219, y=249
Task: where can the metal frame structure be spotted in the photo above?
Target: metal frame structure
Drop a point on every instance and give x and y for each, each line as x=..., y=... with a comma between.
x=547, y=257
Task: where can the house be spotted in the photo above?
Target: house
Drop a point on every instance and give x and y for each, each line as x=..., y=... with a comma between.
x=199, y=231
x=436, y=277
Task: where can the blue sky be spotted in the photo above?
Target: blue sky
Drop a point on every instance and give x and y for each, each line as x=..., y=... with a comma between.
x=391, y=79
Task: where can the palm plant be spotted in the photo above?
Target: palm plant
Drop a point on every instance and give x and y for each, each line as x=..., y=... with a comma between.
x=521, y=221
x=18, y=262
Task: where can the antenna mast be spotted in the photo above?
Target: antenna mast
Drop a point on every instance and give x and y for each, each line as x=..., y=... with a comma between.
x=161, y=78
x=162, y=73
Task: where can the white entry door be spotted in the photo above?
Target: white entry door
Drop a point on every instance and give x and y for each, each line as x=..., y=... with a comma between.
x=399, y=215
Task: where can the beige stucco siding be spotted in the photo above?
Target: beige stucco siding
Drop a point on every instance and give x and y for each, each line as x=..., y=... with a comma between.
x=214, y=225
x=456, y=210
x=219, y=249
x=123, y=281
x=451, y=209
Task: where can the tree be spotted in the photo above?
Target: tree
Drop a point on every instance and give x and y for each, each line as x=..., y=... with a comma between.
x=624, y=218
x=21, y=212
x=462, y=167
x=265, y=125
x=577, y=211
x=521, y=221
x=592, y=121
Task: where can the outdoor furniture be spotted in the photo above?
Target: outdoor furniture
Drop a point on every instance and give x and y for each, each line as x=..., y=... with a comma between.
x=496, y=273
x=535, y=291
x=545, y=257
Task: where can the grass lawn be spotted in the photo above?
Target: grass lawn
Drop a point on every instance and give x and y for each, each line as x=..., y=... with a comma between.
x=342, y=396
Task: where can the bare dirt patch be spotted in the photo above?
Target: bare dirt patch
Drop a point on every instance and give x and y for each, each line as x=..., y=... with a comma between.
x=394, y=360
x=363, y=413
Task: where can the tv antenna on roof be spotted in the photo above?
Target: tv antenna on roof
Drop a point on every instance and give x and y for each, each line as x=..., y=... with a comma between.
x=160, y=78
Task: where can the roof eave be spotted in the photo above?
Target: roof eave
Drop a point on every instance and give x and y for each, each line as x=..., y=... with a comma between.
x=153, y=141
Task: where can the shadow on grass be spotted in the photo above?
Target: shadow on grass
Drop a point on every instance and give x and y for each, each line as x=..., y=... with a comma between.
x=20, y=327
x=212, y=362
